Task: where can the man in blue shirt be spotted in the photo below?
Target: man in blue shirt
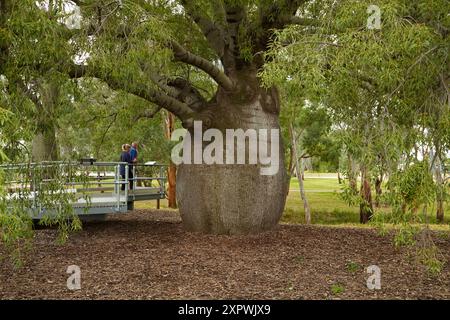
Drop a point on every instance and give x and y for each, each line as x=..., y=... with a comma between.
x=134, y=152
x=134, y=157
x=126, y=157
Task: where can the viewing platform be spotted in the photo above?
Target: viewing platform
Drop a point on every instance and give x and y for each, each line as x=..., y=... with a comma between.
x=91, y=188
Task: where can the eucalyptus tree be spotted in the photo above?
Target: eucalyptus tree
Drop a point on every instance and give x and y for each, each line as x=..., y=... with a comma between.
x=34, y=46
x=375, y=81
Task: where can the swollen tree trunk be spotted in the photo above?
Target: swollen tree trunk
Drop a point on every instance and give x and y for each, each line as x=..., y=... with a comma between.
x=300, y=175
x=235, y=198
x=366, y=207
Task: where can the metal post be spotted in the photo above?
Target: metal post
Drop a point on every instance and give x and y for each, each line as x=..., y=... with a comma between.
x=117, y=181
x=163, y=181
x=127, y=181
x=134, y=177
x=33, y=179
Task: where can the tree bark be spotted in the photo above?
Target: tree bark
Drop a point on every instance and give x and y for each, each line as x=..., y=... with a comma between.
x=235, y=198
x=366, y=207
x=352, y=175
x=171, y=191
x=169, y=123
x=44, y=146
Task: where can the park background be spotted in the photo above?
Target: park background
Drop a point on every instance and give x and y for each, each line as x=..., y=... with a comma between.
x=360, y=91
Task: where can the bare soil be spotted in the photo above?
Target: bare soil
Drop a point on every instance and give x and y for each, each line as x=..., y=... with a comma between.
x=148, y=255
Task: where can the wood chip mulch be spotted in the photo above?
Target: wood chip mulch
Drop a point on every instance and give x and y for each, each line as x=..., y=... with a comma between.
x=148, y=255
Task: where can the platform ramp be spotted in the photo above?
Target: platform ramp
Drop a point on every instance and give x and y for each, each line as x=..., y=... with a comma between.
x=88, y=188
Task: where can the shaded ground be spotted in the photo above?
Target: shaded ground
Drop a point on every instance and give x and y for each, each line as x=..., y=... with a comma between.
x=147, y=255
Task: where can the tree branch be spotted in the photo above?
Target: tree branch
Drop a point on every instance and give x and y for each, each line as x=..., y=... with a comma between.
x=180, y=109
x=235, y=15
x=286, y=20
x=277, y=15
x=213, y=32
x=182, y=55
x=148, y=114
x=180, y=89
x=32, y=95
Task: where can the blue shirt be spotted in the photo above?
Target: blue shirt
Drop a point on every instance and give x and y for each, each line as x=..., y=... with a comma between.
x=133, y=154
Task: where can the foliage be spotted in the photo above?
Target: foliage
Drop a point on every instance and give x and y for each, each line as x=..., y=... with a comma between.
x=337, y=289
x=378, y=97
x=28, y=191
x=353, y=267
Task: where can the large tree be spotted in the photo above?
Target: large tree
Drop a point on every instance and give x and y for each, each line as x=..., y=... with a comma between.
x=144, y=47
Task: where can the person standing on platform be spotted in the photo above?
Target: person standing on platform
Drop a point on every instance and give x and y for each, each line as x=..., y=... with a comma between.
x=125, y=157
x=134, y=156
x=134, y=152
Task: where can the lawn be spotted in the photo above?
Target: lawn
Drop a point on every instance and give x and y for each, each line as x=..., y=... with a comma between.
x=322, y=192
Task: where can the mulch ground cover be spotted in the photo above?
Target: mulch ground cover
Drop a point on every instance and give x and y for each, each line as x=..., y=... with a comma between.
x=147, y=255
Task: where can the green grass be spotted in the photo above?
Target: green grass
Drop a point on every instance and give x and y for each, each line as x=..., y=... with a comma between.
x=317, y=184
x=326, y=206
x=337, y=289
x=353, y=267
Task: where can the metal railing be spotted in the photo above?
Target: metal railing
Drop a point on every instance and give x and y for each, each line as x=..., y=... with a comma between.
x=31, y=181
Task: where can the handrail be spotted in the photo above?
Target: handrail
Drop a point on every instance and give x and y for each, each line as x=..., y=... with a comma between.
x=72, y=163
x=26, y=177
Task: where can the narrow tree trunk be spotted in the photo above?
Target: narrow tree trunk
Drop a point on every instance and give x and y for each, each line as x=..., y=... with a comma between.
x=171, y=191
x=169, y=122
x=379, y=190
x=366, y=207
x=300, y=175
x=236, y=198
x=291, y=166
x=440, y=191
x=352, y=175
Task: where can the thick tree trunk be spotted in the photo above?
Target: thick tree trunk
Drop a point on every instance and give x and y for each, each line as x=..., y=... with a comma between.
x=235, y=198
x=366, y=208
x=44, y=146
